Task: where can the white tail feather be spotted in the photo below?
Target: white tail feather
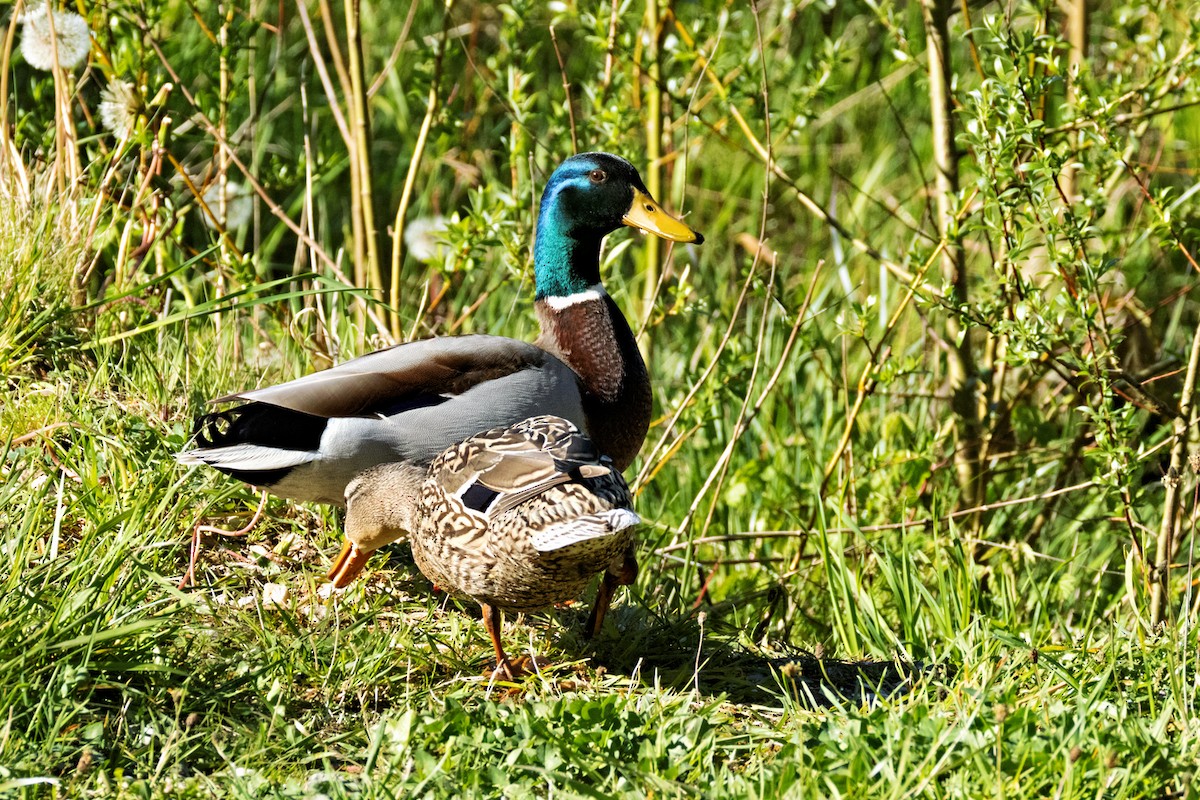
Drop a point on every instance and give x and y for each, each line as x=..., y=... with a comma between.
x=248, y=457
x=580, y=529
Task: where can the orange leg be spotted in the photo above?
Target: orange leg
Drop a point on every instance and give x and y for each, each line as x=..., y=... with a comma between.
x=608, y=587
x=493, y=620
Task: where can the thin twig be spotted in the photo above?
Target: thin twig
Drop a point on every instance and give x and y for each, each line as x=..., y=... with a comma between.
x=650, y=467
x=394, y=56
x=608, y=52
x=335, y=52
x=562, y=68
x=6, y=148
x=189, y=576
x=960, y=356
x=717, y=472
x=652, y=249
x=363, y=201
x=261, y=191
x=314, y=49
x=1168, y=532
x=813, y=207
x=866, y=383
x=410, y=180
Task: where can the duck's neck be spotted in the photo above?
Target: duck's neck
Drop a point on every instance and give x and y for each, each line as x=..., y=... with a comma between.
x=565, y=262
x=583, y=327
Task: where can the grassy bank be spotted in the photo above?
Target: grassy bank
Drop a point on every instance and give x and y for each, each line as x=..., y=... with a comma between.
x=916, y=466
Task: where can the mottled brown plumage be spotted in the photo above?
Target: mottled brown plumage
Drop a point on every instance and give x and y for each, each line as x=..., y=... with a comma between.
x=517, y=519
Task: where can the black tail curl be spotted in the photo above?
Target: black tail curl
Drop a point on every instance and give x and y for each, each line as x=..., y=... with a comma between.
x=259, y=424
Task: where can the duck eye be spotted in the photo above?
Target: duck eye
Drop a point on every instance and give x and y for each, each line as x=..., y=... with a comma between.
x=598, y=176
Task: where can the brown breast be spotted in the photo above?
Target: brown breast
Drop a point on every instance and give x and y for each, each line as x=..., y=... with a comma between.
x=594, y=339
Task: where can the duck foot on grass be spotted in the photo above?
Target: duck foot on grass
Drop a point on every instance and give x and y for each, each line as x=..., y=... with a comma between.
x=511, y=669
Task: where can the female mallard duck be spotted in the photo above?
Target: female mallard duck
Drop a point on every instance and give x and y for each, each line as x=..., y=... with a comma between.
x=307, y=438
x=517, y=518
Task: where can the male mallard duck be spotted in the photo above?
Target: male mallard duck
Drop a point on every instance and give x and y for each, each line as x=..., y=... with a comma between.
x=517, y=518
x=307, y=438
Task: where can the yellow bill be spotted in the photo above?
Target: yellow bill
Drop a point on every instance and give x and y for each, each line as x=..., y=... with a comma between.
x=648, y=215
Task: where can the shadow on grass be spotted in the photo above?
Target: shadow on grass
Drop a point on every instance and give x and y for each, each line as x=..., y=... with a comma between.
x=648, y=648
x=680, y=655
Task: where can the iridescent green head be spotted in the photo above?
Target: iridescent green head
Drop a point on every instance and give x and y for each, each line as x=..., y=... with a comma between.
x=587, y=198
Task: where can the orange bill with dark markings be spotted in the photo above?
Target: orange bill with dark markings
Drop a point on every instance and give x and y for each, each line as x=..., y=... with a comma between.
x=349, y=564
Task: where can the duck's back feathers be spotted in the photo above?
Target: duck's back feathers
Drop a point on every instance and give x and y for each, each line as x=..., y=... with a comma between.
x=516, y=463
x=413, y=375
x=522, y=517
x=307, y=438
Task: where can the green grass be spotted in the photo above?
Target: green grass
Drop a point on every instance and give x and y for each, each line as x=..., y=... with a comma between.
x=817, y=613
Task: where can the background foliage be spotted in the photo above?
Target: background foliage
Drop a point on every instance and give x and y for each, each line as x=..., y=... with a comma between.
x=921, y=457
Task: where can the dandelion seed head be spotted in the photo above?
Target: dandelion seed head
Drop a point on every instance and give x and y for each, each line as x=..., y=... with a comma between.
x=239, y=205
x=70, y=37
x=119, y=108
x=422, y=237
x=32, y=11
